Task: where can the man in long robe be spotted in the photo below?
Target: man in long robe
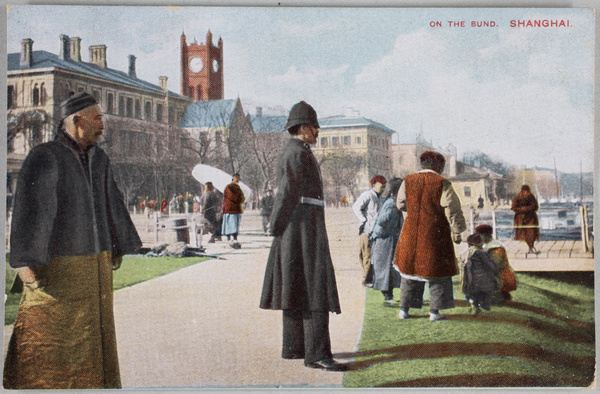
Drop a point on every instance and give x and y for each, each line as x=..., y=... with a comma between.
x=425, y=253
x=299, y=277
x=525, y=206
x=70, y=229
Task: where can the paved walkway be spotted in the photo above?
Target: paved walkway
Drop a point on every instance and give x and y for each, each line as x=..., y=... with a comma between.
x=201, y=326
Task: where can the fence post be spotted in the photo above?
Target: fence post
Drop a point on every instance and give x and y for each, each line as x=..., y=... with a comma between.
x=494, y=223
x=471, y=220
x=156, y=227
x=584, y=229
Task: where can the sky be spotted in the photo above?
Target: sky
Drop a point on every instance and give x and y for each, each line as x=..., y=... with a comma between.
x=523, y=95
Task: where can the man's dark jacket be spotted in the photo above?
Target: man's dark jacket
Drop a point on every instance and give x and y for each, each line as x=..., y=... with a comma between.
x=299, y=274
x=68, y=204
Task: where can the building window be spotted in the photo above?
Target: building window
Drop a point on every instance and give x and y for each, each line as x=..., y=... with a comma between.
x=159, y=112
x=467, y=191
x=43, y=94
x=121, y=106
x=199, y=92
x=36, y=95
x=347, y=140
x=36, y=135
x=10, y=97
x=123, y=142
x=148, y=110
x=109, y=103
x=97, y=96
x=67, y=91
x=138, y=109
x=358, y=140
x=324, y=142
x=129, y=107
x=335, y=141
x=171, y=115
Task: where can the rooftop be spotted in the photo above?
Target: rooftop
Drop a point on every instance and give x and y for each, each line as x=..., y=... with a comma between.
x=208, y=114
x=268, y=123
x=351, y=121
x=43, y=59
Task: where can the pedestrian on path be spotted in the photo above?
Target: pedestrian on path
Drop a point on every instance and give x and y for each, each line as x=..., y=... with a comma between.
x=525, y=206
x=64, y=253
x=299, y=277
x=233, y=198
x=210, y=208
x=365, y=208
x=384, y=238
x=425, y=253
x=266, y=207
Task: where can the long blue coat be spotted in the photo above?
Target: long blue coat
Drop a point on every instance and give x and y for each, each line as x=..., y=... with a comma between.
x=384, y=236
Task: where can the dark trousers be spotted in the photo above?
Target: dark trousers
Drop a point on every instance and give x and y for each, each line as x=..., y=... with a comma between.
x=306, y=335
x=441, y=293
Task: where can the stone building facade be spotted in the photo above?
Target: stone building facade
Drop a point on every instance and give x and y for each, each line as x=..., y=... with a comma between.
x=140, y=117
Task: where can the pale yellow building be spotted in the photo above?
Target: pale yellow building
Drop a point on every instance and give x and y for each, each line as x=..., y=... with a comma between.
x=369, y=142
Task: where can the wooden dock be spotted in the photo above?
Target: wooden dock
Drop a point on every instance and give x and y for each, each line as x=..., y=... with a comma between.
x=562, y=255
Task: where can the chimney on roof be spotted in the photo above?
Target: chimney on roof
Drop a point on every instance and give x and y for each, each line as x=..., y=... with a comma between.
x=64, y=47
x=452, y=167
x=259, y=111
x=132, y=66
x=163, y=82
x=27, y=52
x=75, y=49
x=98, y=55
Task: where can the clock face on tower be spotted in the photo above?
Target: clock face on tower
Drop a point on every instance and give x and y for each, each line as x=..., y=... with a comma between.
x=215, y=65
x=196, y=64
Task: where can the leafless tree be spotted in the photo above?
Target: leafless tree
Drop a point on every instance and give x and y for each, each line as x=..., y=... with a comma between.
x=28, y=123
x=341, y=167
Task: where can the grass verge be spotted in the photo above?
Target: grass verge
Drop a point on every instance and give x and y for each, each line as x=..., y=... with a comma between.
x=133, y=270
x=543, y=337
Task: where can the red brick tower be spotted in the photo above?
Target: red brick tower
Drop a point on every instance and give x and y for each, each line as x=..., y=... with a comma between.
x=202, y=69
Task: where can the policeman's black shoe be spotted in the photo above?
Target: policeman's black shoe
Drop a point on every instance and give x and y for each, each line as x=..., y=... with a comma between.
x=328, y=364
x=293, y=356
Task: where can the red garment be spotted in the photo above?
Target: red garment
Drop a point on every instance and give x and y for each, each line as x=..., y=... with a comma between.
x=233, y=199
x=163, y=205
x=425, y=247
x=525, y=206
x=509, y=281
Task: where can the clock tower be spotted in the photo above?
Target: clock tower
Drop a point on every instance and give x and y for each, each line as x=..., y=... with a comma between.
x=202, y=69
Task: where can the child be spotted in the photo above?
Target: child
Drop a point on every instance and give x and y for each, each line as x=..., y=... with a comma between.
x=507, y=281
x=479, y=275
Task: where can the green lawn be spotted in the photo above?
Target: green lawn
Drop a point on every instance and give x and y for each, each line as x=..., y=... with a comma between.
x=543, y=337
x=133, y=270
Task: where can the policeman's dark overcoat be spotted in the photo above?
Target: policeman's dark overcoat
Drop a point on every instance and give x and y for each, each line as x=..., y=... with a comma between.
x=299, y=274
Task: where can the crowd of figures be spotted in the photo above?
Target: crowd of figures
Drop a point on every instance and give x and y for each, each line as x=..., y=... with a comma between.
x=406, y=240
x=70, y=229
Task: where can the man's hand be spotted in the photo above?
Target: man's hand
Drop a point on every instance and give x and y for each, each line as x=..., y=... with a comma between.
x=116, y=262
x=27, y=276
x=456, y=238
